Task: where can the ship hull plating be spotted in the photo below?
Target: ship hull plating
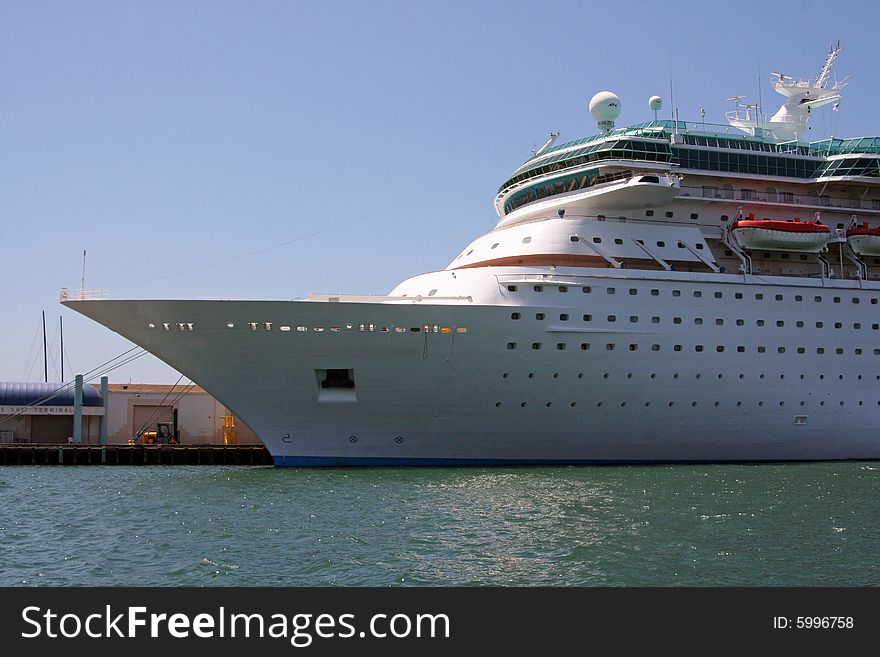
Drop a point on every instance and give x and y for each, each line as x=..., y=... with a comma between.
x=666, y=368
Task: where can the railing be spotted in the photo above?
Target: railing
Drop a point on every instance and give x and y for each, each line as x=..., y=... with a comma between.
x=781, y=198
x=377, y=298
x=83, y=295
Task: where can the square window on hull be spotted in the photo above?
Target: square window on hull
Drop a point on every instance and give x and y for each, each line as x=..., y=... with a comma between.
x=336, y=385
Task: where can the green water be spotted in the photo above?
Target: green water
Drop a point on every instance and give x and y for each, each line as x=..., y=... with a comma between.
x=798, y=524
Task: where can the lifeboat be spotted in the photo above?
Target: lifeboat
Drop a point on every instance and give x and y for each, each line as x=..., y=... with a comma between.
x=779, y=235
x=863, y=240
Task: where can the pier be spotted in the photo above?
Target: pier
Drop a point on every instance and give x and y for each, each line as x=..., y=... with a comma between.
x=134, y=455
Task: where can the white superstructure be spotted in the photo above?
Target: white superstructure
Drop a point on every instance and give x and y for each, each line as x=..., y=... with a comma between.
x=610, y=316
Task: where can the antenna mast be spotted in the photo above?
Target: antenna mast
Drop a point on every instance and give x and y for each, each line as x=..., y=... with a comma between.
x=61, y=333
x=82, y=282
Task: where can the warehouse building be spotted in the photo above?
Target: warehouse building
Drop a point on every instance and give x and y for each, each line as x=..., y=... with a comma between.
x=44, y=413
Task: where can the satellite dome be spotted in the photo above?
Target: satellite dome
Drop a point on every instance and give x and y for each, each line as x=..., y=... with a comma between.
x=605, y=107
x=655, y=103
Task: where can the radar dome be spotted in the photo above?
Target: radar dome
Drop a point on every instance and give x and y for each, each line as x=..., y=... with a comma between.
x=605, y=107
x=655, y=103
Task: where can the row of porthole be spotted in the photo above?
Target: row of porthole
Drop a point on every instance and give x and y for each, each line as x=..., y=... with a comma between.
x=740, y=349
x=267, y=326
x=698, y=375
x=670, y=404
x=717, y=294
x=698, y=321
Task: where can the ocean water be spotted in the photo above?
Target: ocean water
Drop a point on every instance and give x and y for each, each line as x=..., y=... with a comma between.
x=752, y=525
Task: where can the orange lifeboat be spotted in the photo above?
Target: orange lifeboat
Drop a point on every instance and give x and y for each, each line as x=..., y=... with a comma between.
x=863, y=240
x=779, y=235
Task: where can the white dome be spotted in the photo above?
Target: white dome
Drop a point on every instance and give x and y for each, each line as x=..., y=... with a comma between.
x=655, y=103
x=605, y=106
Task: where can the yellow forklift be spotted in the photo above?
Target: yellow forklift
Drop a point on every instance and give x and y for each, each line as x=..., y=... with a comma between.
x=165, y=433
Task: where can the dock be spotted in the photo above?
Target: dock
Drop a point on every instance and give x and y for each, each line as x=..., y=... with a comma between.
x=36, y=454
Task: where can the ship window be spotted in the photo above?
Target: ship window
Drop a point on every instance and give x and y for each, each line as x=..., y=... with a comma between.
x=801, y=350
x=838, y=351
x=785, y=256
x=515, y=315
x=432, y=292
x=779, y=297
x=855, y=300
x=798, y=297
x=302, y=329
x=632, y=347
x=284, y=328
x=779, y=322
x=617, y=240
x=563, y=288
x=633, y=291
x=560, y=346
x=676, y=320
x=661, y=243
x=536, y=345
x=761, y=350
x=759, y=296
x=609, y=347
x=539, y=316
x=740, y=349
x=655, y=293
x=676, y=293
x=655, y=347
x=494, y=245
x=699, y=246
x=838, y=325
x=575, y=238
x=724, y=217
x=539, y=288
x=511, y=345
x=817, y=299
x=740, y=322
x=780, y=350
x=719, y=321
x=526, y=240
x=819, y=324
x=649, y=213
x=719, y=349
x=588, y=318
x=858, y=353
x=759, y=322
x=799, y=324
x=676, y=347
x=857, y=326
x=836, y=299
x=738, y=295
x=697, y=293
x=668, y=214
x=586, y=289
x=698, y=320
x=820, y=350
x=655, y=320
x=511, y=288
x=585, y=346
x=875, y=327
x=718, y=295
x=633, y=319
x=611, y=290
x=694, y=215
x=563, y=317
x=597, y=240
x=698, y=347
x=612, y=318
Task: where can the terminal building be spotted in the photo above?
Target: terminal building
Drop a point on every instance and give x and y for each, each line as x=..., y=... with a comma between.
x=44, y=413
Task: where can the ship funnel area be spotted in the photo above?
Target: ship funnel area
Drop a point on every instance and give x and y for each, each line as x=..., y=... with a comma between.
x=605, y=108
x=802, y=96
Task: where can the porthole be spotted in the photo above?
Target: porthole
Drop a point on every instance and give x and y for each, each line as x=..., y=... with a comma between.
x=539, y=316
x=515, y=315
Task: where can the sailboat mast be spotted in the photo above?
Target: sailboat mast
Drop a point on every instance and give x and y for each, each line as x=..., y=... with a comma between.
x=45, y=352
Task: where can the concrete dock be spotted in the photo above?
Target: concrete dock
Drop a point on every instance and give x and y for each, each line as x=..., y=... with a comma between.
x=134, y=455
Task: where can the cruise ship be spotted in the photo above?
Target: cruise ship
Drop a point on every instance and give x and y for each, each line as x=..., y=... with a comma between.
x=670, y=291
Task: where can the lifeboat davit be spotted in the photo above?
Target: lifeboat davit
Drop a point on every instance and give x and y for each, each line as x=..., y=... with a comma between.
x=863, y=240
x=779, y=235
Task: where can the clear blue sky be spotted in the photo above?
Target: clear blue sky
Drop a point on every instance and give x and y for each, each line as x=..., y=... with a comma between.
x=165, y=136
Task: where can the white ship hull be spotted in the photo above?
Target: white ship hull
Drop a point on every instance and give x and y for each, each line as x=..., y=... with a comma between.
x=427, y=398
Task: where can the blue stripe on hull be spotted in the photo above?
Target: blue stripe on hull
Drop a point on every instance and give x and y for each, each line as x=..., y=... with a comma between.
x=381, y=461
